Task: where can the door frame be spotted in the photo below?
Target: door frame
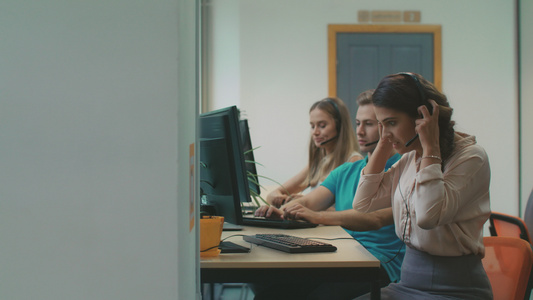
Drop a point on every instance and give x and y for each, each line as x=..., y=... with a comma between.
x=333, y=29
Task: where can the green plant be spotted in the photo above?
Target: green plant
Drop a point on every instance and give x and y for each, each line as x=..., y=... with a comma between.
x=257, y=198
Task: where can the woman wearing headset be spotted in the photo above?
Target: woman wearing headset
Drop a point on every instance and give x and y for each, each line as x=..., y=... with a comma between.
x=332, y=143
x=438, y=191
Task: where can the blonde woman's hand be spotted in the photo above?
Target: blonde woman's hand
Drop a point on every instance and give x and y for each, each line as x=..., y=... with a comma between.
x=280, y=200
x=292, y=197
x=269, y=211
x=277, y=199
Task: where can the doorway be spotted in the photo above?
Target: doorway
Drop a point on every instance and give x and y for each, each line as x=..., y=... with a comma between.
x=360, y=55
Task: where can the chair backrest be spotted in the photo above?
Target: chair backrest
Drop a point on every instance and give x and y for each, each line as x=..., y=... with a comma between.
x=528, y=214
x=508, y=262
x=507, y=225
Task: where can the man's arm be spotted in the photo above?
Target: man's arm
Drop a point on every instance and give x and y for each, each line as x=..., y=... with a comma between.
x=350, y=219
x=293, y=186
x=318, y=199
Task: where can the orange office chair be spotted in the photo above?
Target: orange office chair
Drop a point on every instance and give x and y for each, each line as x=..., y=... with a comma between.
x=507, y=225
x=508, y=263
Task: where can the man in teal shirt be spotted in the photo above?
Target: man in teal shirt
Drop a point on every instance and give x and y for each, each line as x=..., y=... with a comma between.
x=339, y=189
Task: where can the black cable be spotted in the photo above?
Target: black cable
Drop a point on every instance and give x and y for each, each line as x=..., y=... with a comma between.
x=404, y=228
x=234, y=235
x=406, y=220
x=329, y=239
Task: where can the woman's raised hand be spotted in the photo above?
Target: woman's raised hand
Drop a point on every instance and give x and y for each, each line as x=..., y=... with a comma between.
x=428, y=129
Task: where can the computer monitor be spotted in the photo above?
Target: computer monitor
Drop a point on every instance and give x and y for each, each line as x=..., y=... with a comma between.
x=223, y=179
x=251, y=169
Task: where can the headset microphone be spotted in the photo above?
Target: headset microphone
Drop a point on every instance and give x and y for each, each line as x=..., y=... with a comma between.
x=411, y=141
x=423, y=99
x=327, y=141
x=371, y=143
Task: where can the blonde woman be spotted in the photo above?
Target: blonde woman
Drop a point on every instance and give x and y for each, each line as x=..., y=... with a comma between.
x=332, y=143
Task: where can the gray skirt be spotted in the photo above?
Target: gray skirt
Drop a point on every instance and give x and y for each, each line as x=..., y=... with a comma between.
x=425, y=276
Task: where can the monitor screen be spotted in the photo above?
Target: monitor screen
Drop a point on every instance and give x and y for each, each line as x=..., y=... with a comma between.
x=223, y=178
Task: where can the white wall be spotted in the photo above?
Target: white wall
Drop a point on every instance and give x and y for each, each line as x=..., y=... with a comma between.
x=283, y=70
x=225, y=55
x=89, y=146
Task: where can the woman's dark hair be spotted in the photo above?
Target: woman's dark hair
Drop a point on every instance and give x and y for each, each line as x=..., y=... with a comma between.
x=405, y=92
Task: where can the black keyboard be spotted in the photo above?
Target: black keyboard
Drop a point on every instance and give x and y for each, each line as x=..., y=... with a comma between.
x=276, y=223
x=289, y=243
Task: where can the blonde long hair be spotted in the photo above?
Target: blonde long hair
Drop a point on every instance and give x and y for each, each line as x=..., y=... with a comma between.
x=320, y=164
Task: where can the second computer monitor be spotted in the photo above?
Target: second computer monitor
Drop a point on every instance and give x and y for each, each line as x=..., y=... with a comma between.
x=251, y=169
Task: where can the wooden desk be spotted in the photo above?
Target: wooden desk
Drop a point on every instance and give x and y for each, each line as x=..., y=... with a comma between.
x=351, y=261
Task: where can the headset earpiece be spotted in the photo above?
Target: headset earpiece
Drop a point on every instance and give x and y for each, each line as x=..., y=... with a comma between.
x=337, y=113
x=421, y=92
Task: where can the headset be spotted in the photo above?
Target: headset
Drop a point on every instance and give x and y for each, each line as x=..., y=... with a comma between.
x=423, y=99
x=337, y=120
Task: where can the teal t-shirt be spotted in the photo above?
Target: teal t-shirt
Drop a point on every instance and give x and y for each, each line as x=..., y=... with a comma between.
x=382, y=243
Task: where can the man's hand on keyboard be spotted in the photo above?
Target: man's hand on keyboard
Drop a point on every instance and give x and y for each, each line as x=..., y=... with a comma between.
x=300, y=212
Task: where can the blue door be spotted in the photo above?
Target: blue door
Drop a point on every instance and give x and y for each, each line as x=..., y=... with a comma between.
x=364, y=58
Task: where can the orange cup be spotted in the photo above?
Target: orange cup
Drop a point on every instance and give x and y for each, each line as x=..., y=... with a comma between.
x=210, y=232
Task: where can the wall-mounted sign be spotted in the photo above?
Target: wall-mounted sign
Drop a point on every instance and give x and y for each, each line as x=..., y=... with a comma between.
x=411, y=16
x=388, y=16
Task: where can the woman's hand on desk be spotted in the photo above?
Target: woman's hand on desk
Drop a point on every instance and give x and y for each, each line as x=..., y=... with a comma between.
x=269, y=211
